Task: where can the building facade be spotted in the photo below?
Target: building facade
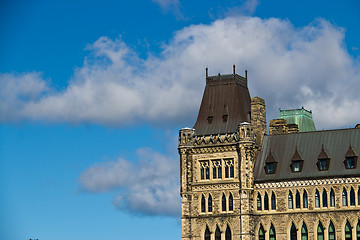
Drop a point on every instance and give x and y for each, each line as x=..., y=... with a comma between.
x=237, y=182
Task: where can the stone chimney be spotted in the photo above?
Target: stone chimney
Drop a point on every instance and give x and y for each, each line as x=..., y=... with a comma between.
x=258, y=119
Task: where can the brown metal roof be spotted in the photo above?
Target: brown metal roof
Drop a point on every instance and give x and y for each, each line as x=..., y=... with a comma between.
x=332, y=144
x=226, y=103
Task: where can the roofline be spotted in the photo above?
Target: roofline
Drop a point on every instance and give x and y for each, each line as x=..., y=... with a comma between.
x=324, y=130
x=306, y=178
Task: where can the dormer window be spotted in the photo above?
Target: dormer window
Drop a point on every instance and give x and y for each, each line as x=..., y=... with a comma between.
x=296, y=166
x=350, y=159
x=270, y=169
x=210, y=119
x=323, y=164
x=225, y=118
x=296, y=162
x=270, y=164
x=323, y=160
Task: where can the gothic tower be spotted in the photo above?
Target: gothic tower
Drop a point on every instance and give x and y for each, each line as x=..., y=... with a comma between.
x=216, y=161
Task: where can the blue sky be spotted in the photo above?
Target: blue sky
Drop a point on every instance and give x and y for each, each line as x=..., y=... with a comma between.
x=92, y=94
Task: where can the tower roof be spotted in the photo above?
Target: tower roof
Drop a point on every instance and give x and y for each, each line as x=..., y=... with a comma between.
x=226, y=103
x=301, y=117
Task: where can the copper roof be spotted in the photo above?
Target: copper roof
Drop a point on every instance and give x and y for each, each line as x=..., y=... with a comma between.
x=226, y=103
x=332, y=144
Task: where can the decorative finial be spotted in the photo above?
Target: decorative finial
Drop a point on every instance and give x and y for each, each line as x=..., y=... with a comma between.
x=206, y=72
x=246, y=74
x=234, y=68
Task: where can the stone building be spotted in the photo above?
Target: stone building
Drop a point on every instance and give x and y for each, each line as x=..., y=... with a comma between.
x=237, y=182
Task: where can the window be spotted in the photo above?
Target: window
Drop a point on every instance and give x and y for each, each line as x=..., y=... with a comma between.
x=358, y=196
x=332, y=198
x=228, y=233
x=270, y=168
x=219, y=172
x=352, y=197
x=210, y=204
x=290, y=200
x=293, y=232
x=296, y=162
x=258, y=202
x=349, y=162
x=216, y=169
x=231, y=206
x=320, y=232
x=358, y=231
x=350, y=159
x=317, y=198
x=323, y=160
x=210, y=119
x=323, y=166
x=348, y=234
x=272, y=235
x=266, y=202
x=324, y=198
x=296, y=166
x=261, y=233
x=214, y=173
x=297, y=199
x=344, y=197
x=304, y=232
x=217, y=233
x=204, y=170
x=305, y=199
x=223, y=203
x=273, y=201
x=202, y=203
x=229, y=168
x=270, y=164
x=331, y=231
x=207, y=233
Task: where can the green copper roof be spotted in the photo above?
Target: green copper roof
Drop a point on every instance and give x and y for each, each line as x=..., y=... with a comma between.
x=301, y=117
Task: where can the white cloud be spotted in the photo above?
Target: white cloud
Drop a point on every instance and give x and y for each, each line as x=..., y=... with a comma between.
x=289, y=67
x=148, y=187
x=170, y=5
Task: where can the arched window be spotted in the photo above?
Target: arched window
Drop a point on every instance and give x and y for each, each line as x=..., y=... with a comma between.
x=317, y=198
x=344, y=197
x=293, y=234
x=223, y=203
x=352, y=197
x=348, y=235
x=297, y=199
x=290, y=200
x=272, y=234
x=258, y=202
x=320, y=232
x=305, y=200
x=217, y=233
x=324, y=198
x=202, y=203
x=304, y=232
x=358, y=231
x=207, y=233
x=332, y=198
x=331, y=231
x=261, y=233
x=273, y=201
x=359, y=196
x=231, y=203
x=210, y=203
x=228, y=233
x=266, y=201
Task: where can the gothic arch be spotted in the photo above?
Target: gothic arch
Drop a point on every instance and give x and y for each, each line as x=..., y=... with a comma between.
x=203, y=231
